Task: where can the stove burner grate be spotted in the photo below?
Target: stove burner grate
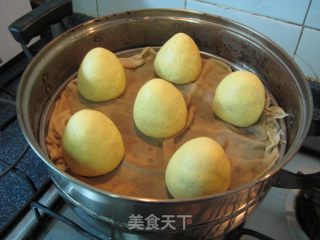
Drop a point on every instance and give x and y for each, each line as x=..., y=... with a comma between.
x=39, y=208
x=308, y=212
x=22, y=173
x=43, y=212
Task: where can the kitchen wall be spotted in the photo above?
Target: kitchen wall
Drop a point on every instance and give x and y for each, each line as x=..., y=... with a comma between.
x=293, y=24
x=9, y=12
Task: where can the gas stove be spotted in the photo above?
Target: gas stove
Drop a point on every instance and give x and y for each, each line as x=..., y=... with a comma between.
x=31, y=208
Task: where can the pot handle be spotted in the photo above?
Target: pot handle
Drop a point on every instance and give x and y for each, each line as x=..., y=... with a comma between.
x=38, y=20
x=290, y=180
x=286, y=179
x=314, y=129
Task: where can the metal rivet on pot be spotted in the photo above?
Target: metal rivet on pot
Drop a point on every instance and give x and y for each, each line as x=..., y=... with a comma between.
x=290, y=122
x=45, y=77
x=48, y=89
x=96, y=39
x=228, y=47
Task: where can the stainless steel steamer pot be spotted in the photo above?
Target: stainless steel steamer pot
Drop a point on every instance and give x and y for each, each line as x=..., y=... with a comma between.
x=212, y=216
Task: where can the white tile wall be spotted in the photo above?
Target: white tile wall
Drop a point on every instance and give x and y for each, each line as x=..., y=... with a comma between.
x=280, y=20
x=288, y=10
x=284, y=34
x=313, y=18
x=308, y=53
x=107, y=7
x=9, y=12
x=88, y=7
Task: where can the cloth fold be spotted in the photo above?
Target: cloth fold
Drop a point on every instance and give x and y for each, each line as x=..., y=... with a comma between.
x=252, y=151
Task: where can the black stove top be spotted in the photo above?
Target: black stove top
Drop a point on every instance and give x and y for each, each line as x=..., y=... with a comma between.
x=308, y=212
x=22, y=174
